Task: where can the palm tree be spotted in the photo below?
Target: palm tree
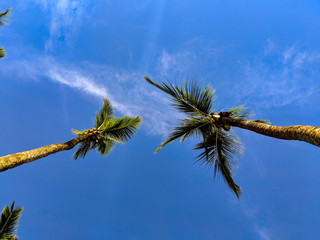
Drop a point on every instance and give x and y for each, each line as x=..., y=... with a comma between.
x=3, y=21
x=8, y=222
x=107, y=131
x=219, y=148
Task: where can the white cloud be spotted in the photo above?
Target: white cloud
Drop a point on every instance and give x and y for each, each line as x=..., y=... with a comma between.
x=64, y=19
x=280, y=76
x=252, y=213
x=127, y=91
x=263, y=233
x=175, y=63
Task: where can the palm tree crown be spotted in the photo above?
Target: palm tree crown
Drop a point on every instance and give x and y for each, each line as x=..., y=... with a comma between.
x=107, y=131
x=219, y=148
x=8, y=222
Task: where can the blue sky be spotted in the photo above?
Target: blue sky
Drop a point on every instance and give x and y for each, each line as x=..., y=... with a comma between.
x=64, y=56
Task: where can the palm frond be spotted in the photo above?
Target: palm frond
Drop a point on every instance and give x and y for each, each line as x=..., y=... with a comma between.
x=190, y=98
x=9, y=220
x=121, y=129
x=193, y=94
x=104, y=112
x=82, y=149
x=105, y=147
x=262, y=121
x=220, y=150
x=2, y=52
x=187, y=128
x=4, y=17
x=227, y=147
x=242, y=112
x=112, y=139
x=79, y=133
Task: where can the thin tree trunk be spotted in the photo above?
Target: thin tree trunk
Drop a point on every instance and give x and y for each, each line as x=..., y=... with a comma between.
x=309, y=134
x=14, y=160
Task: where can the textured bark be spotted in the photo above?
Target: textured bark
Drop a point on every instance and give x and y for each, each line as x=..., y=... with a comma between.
x=309, y=134
x=14, y=160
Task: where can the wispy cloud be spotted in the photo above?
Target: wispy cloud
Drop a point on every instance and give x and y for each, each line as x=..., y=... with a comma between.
x=175, y=63
x=280, y=76
x=64, y=19
x=263, y=233
x=127, y=91
x=252, y=213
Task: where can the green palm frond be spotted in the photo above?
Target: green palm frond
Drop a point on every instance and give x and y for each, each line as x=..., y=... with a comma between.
x=105, y=147
x=190, y=98
x=4, y=16
x=187, y=128
x=121, y=129
x=262, y=121
x=82, y=149
x=104, y=144
x=2, y=52
x=242, y=112
x=220, y=150
x=9, y=221
x=104, y=112
x=79, y=133
x=194, y=95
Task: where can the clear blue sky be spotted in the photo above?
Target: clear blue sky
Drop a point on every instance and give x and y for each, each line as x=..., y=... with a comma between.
x=64, y=56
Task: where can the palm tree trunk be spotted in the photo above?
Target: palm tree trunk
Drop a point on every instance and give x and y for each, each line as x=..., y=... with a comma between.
x=309, y=134
x=14, y=160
